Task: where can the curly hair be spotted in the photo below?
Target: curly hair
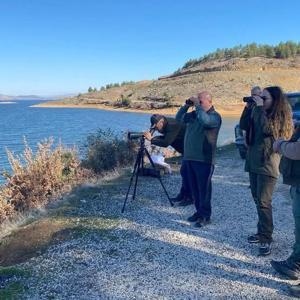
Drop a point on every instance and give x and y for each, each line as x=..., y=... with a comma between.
x=280, y=114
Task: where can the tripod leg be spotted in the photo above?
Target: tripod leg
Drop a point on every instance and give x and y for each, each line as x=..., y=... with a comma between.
x=159, y=178
x=137, y=162
x=136, y=178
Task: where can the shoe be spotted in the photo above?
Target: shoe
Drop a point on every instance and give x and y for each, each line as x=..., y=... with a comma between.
x=185, y=202
x=265, y=249
x=253, y=239
x=202, y=222
x=178, y=198
x=287, y=268
x=295, y=290
x=193, y=218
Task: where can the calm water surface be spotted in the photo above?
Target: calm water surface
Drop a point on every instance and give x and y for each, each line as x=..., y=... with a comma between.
x=19, y=120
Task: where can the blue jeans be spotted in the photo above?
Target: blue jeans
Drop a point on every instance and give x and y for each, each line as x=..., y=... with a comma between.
x=199, y=178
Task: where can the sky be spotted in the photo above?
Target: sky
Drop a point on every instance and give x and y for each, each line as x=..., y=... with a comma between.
x=54, y=47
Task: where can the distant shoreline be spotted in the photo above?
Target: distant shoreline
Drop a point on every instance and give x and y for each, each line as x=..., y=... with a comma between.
x=230, y=111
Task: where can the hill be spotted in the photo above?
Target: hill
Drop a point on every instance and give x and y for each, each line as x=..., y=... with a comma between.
x=32, y=97
x=228, y=79
x=21, y=97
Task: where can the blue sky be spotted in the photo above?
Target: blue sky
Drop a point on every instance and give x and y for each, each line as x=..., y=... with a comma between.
x=64, y=46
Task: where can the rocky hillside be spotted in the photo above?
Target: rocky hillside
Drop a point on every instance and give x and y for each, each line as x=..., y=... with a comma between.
x=227, y=79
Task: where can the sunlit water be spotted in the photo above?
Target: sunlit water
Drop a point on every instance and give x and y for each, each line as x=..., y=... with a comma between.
x=72, y=126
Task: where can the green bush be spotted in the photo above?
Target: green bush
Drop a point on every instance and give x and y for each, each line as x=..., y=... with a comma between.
x=125, y=101
x=105, y=151
x=112, y=85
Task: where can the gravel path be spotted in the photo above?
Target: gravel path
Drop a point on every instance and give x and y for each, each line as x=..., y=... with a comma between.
x=153, y=253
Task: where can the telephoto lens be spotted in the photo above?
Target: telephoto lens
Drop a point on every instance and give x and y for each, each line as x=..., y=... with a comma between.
x=134, y=135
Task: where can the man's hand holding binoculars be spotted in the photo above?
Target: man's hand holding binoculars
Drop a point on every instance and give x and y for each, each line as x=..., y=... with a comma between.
x=192, y=101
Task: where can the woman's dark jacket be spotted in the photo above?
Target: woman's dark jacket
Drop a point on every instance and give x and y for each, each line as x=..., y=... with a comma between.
x=260, y=159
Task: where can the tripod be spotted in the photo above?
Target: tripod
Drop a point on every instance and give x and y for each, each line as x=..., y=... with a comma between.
x=139, y=169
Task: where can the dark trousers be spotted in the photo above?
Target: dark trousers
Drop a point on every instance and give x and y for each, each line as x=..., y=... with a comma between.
x=262, y=188
x=295, y=194
x=199, y=177
x=184, y=190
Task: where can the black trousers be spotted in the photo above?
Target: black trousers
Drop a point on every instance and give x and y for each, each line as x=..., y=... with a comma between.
x=262, y=188
x=199, y=177
x=184, y=190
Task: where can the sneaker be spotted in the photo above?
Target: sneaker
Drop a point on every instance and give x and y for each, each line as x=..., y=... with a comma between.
x=193, y=218
x=287, y=268
x=185, y=202
x=264, y=249
x=202, y=222
x=295, y=290
x=253, y=239
x=178, y=198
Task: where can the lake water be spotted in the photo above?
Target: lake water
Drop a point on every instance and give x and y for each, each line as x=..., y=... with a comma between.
x=72, y=126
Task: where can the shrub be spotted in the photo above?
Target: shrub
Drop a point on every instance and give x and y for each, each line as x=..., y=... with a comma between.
x=125, y=101
x=38, y=178
x=105, y=151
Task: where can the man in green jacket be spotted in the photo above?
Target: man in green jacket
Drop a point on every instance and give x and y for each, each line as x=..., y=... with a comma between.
x=291, y=176
x=172, y=134
x=202, y=129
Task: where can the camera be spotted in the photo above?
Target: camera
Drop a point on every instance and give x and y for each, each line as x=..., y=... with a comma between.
x=248, y=99
x=189, y=102
x=134, y=135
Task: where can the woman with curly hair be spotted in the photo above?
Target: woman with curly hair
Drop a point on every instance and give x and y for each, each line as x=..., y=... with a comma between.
x=265, y=120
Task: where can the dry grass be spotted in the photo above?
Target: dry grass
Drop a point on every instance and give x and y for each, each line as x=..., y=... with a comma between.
x=38, y=178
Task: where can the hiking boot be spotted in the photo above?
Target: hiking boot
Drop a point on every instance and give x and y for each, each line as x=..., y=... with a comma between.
x=287, y=268
x=295, y=290
x=253, y=239
x=185, y=202
x=265, y=249
x=193, y=218
x=202, y=222
x=178, y=198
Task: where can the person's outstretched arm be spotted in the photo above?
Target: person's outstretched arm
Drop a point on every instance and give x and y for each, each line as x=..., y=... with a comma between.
x=288, y=149
x=168, y=138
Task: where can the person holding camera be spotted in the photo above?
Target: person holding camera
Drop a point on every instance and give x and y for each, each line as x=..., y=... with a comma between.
x=202, y=129
x=255, y=91
x=265, y=118
x=172, y=134
x=290, y=169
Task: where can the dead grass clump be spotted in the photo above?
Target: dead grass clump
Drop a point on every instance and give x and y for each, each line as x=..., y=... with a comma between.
x=37, y=178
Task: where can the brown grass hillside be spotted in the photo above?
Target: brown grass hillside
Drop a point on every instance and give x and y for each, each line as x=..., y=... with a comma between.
x=228, y=80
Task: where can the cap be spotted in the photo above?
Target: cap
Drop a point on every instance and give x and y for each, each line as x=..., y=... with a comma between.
x=155, y=119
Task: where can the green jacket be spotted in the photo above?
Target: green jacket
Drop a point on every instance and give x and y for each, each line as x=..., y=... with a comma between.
x=173, y=135
x=260, y=159
x=202, y=129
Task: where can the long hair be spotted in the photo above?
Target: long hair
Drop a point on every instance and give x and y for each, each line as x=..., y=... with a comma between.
x=280, y=114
